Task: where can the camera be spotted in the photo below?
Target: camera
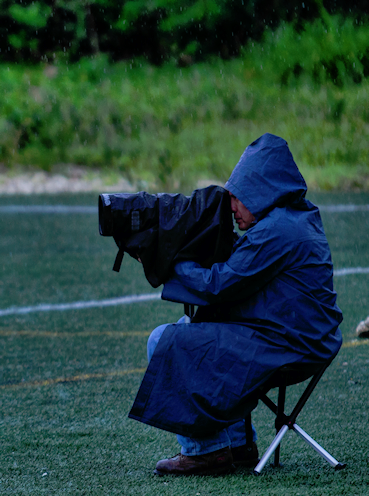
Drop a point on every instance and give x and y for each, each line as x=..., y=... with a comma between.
x=162, y=229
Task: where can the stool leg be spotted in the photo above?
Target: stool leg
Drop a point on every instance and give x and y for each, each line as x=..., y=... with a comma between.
x=277, y=456
x=319, y=449
x=259, y=467
x=279, y=421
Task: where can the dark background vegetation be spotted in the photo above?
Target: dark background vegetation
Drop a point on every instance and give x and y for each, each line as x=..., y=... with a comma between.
x=157, y=30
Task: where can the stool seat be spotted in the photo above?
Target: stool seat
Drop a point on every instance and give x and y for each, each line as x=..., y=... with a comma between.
x=293, y=374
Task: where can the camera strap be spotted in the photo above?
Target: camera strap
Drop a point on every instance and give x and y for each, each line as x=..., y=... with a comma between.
x=118, y=260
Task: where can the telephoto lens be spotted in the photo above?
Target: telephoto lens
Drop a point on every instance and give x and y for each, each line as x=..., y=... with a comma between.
x=164, y=228
x=121, y=214
x=105, y=216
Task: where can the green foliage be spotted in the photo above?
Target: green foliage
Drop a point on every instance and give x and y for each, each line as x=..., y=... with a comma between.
x=29, y=18
x=334, y=49
x=158, y=30
x=131, y=11
x=34, y=15
x=204, y=11
x=170, y=127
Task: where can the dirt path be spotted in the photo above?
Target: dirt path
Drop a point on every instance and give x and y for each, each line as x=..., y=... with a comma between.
x=72, y=179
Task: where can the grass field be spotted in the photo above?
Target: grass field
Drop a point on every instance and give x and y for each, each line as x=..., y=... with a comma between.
x=68, y=378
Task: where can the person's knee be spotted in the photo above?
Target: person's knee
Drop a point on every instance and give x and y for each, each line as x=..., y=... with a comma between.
x=153, y=340
x=155, y=336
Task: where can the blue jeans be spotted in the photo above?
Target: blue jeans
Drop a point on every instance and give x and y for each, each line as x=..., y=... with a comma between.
x=233, y=436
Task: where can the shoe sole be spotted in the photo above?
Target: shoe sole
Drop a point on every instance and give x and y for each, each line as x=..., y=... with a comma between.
x=213, y=472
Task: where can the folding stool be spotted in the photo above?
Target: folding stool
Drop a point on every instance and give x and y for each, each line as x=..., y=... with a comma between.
x=284, y=377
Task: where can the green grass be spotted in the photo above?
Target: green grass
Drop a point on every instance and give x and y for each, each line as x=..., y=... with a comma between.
x=68, y=378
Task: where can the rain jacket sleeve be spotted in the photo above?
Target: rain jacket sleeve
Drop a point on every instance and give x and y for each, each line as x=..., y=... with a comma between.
x=265, y=250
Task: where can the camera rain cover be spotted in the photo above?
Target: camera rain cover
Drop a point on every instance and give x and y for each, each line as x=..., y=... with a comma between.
x=165, y=228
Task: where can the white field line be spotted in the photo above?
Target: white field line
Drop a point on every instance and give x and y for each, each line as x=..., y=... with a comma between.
x=79, y=209
x=124, y=300
x=344, y=208
x=47, y=209
x=351, y=270
x=79, y=305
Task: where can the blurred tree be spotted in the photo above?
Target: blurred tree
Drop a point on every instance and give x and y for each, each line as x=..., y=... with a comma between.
x=156, y=29
x=20, y=26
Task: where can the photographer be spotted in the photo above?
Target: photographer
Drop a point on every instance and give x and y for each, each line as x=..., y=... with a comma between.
x=270, y=304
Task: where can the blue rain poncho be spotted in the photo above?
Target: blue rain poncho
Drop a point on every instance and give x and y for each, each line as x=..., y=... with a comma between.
x=270, y=304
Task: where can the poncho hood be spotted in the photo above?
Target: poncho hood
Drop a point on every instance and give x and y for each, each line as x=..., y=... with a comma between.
x=266, y=176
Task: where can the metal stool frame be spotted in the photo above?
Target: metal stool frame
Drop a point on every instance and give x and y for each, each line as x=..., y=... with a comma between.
x=284, y=422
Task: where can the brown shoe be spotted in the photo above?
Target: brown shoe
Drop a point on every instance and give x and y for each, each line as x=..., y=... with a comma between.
x=213, y=463
x=245, y=457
